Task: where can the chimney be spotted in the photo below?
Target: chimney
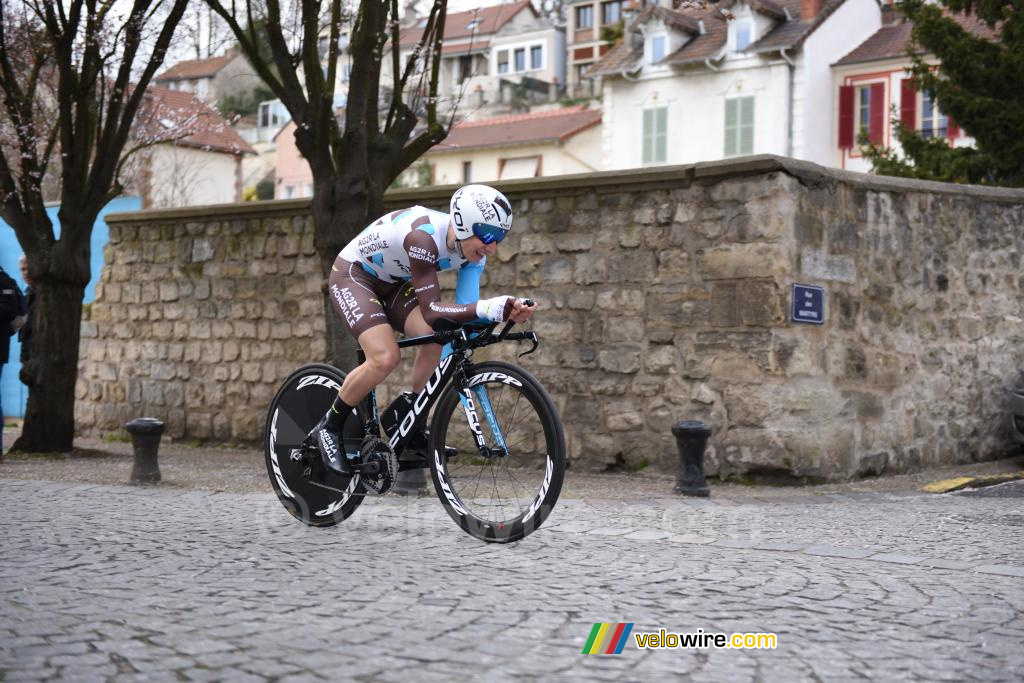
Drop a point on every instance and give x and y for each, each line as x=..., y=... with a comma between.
x=810, y=8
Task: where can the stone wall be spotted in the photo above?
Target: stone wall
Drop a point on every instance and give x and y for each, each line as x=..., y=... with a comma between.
x=664, y=295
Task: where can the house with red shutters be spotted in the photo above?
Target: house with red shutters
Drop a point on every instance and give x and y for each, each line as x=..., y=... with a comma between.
x=873, y=88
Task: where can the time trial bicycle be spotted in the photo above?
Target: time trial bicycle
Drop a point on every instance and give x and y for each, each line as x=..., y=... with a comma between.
x=496, y=449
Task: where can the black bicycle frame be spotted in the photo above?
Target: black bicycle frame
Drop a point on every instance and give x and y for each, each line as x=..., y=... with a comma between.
x=424, y=401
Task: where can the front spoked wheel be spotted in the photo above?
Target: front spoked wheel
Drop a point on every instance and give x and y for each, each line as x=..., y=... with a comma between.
x=310, y=492
x=506, y=490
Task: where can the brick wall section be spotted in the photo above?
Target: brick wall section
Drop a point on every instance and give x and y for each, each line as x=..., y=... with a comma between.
x=664, y=295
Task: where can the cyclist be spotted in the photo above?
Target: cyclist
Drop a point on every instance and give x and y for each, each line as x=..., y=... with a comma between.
x=386, y=279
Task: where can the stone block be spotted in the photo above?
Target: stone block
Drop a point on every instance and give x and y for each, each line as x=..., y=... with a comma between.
x=661, y=359
x=575, y=242
x=590, y=268
x=761, y=303
x=556, y=270
x=535, y=244
x=625, y=328
x=620, y=358
x=582, y=299
x=202, y=250
x=621, y=300
x=817, y=264
x=623, y=417
x=744, y=261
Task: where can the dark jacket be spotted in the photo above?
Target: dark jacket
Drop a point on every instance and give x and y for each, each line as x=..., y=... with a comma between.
x=11, y=306
x=25, y=333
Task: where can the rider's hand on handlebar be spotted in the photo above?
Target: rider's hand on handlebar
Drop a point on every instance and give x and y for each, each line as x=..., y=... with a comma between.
x=521, y=312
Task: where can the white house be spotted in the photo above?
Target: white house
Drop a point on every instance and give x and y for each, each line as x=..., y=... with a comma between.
x=693, y=85
x=872, y=85
x=492, y=57
x=197, y=158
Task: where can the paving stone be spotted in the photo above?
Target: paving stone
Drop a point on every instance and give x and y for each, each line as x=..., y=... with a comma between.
x=833, y=551
x=897, y=558
x=1001, y=569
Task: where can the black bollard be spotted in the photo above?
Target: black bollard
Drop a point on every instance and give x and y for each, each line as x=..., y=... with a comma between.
x=146, y=433
x=691, y=439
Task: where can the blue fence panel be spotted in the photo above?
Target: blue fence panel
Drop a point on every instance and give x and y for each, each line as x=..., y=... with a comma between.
x=14, y=394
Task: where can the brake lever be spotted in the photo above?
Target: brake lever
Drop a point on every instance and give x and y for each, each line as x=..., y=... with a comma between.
x=536, y=342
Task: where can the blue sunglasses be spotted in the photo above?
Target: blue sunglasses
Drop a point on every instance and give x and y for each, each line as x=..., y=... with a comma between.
x=488, y=234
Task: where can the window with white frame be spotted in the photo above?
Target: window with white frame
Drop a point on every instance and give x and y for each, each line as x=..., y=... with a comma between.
x=739, y=126
x=742, y=34
x=863, y=120
x=502, y=61
x=656, y=48
x=655, y=135
x=520, y=59
x=934, y=123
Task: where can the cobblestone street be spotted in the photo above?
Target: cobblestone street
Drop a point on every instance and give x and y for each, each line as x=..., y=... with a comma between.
x=161, y=583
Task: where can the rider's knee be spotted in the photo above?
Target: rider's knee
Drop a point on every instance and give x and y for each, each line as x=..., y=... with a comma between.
x=384, y=361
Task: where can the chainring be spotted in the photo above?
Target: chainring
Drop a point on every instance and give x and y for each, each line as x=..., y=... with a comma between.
x=374, y=449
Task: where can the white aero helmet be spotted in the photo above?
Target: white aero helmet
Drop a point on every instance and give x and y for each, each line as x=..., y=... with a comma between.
x=481, y=211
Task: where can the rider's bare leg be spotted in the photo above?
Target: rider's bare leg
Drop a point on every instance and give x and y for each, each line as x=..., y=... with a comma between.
x=382, y=356
x=427, y=356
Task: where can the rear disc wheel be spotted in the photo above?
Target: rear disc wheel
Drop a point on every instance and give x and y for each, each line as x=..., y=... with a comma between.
x=309, y=491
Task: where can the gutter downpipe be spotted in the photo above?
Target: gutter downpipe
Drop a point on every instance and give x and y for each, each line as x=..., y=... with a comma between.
x=789, y=106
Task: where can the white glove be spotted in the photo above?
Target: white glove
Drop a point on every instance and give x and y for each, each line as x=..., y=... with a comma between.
x=494, y=309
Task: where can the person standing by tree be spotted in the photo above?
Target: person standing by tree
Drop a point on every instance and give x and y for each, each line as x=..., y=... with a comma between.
x=25, y=333
x=12, y=317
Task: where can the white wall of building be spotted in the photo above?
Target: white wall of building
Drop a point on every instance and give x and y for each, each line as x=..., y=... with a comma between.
x=849, y=26
x=185, y=176
x=696, y=111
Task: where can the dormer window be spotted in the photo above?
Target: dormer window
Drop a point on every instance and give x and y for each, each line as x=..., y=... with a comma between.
x=742, y=34
x=656, y=48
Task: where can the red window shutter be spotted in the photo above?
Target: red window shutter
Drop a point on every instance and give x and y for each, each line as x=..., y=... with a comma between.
x=876, y=131
x=952, y=130
x=908, y=104
x=846, y=94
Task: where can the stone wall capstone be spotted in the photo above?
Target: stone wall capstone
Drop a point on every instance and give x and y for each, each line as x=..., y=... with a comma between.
x=664, y=295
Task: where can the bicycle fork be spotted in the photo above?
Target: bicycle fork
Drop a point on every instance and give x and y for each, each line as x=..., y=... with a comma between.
x=476, y=398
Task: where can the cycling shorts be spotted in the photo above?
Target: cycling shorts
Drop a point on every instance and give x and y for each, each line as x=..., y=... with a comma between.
x=363, y=301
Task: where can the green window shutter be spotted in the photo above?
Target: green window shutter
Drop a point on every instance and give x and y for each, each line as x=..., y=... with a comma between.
x=661, y=139
x=648, y=136
x=746, y=142
x=730, y=128
x=655, y=136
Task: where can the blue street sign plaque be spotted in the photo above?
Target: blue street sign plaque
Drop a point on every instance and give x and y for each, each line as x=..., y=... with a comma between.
x=808, y=304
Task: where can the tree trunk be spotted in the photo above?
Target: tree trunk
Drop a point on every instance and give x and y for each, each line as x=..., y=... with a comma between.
x=335, y=223
x=52, y=370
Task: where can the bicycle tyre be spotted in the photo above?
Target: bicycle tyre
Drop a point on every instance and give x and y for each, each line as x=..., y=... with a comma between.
x=297, y=407
x=489, y=497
